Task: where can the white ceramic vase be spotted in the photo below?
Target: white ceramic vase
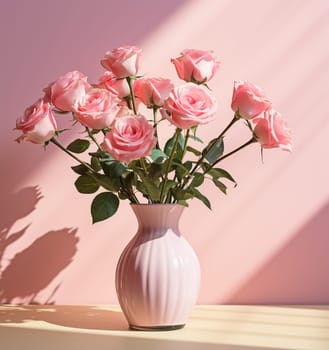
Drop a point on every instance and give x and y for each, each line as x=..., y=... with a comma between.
x=158, y=273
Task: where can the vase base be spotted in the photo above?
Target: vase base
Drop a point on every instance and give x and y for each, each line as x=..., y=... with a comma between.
x=156, y=328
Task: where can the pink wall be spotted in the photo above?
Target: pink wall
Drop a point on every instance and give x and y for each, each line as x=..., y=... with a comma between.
x=266, y=242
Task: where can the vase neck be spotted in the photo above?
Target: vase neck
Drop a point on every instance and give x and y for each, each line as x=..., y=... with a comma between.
x=158, y=216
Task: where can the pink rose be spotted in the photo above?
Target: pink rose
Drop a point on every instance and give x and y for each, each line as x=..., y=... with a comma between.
x=196, y=65
x=190, y=105
x=152, y=91
x=131, y=137
x=248, y=100
x=122, y=61
x=37, y=124
x=110, y=82
x=66, y=90
x=97, y=108
x=271, y=131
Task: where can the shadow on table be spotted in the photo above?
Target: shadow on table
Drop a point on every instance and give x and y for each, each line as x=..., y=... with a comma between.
x=92, y=318
x=83, y=317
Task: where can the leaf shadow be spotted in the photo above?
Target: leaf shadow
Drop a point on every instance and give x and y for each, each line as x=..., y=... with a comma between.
x=34, y=268
x=18, y=205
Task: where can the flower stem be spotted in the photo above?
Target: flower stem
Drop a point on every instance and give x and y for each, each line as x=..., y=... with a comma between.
x=132, y=95
x=155, y=125
x=187, y=135
x=55, y=142
x=128, y=192
x=204, y=154
x=252, y=140
x=93, y=138
x=171, y=157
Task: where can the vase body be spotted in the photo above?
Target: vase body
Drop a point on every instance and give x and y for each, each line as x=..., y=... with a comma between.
x=158, y=273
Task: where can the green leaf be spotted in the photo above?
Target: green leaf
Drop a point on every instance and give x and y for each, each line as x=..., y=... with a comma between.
x=141, y=188
x=158, y=156
x=180, y=169
x=129, y=179
x=182, y=195
x=122, y=195
x=78, y=146
x=197, y=194
x=156, y=170
x=193, y=150
x=193, y=136
x=188, y=165
x=95, y=163
x=216, y=173
x=148, y=187
x=86, y=184
x=217, y=149
x=110, y=184
x=152, y=190
x=170, y=144
x=80, y=169
x=102, y=155
x=220, y=185
x=183, y=202
x=135, y=165
x=169, y=185
x=104, y=206
x=197, y=180
x=113, y=168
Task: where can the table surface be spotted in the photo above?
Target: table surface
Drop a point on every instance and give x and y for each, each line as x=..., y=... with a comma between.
x=210, y=327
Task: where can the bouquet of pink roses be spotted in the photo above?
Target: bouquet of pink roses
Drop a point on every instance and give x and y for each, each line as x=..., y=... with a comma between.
x=127, y=159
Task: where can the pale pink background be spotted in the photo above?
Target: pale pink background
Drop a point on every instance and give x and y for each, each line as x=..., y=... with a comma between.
x=266, y=242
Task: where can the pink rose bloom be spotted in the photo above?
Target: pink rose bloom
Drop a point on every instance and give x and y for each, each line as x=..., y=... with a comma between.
x=249, y=100
x=152, y=91
x=131, y=137
x=196, y=65
x=97, y=108
x=190, y=105
x=122, y=61
x=37, y=124
x=66, y=90
x=110, y=82
x=271, y=131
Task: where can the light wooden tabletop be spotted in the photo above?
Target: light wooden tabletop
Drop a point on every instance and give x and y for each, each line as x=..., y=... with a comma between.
x=210, y=327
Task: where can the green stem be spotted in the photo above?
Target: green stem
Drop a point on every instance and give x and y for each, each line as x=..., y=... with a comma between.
x=185, y=142
x=252, y=140
x=93, y=138
x=235, y=118
x=132, y=95
x=128, y=191
x=55, y=142
x=183, y=154
x=171, y=157
x=155, y=126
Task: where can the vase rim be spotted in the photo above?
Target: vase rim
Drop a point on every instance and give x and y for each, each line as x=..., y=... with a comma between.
x=156, y=204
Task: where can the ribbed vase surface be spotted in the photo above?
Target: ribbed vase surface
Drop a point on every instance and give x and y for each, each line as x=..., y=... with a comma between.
x=158, y=273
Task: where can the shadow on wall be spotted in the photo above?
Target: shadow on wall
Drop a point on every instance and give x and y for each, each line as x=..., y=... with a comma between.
x=34, y=268
x=18, y=205
x=297, y=274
